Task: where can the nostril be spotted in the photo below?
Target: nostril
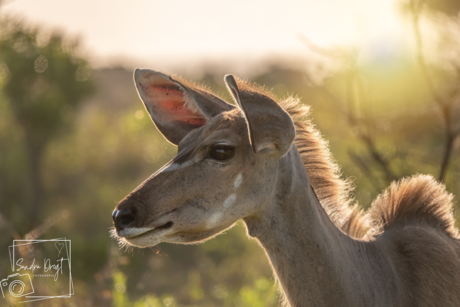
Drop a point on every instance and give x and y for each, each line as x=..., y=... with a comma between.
x=123, y=218
x=126, y=220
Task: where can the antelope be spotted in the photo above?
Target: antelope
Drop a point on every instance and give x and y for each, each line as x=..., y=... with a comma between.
x=262, y=161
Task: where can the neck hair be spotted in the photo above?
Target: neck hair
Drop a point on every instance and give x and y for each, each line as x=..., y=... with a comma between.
x=305, y=247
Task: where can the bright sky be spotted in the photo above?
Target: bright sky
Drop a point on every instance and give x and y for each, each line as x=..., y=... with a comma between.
x=177, y=31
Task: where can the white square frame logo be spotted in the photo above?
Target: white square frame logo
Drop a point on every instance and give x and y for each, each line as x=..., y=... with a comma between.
x=66, y=243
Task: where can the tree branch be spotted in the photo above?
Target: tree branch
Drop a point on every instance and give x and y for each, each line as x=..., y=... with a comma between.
x=445, y=108
x=353, y=120
x=5, y=223
x=358, y=161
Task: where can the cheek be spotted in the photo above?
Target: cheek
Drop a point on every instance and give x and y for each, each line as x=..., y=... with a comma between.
x=214, y=219
x=255, y=191
x=238, y=180
x=230, y=200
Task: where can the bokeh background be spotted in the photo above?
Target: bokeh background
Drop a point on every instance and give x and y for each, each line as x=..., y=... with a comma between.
x=382, y=77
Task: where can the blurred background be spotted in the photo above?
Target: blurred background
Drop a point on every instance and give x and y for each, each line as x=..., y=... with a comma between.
x=382, y=77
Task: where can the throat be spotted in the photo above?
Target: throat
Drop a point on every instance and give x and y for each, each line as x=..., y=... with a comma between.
x=306, y=250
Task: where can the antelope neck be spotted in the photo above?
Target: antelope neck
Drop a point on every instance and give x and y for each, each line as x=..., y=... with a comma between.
x=303, y=244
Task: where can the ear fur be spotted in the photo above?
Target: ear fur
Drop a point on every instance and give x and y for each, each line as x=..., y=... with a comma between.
x=269, y=126
x=175, y=108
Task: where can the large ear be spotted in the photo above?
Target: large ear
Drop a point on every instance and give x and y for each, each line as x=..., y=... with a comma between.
x=175, y=108
x=269, y=126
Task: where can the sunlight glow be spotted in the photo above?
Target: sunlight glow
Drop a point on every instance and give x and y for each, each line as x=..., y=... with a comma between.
x=182, y=30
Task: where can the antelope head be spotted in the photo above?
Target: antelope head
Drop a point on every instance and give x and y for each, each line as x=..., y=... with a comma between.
x=225, y=170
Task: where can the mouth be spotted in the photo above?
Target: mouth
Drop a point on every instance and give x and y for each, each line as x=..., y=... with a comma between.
x=131, y=233
x=144, y=236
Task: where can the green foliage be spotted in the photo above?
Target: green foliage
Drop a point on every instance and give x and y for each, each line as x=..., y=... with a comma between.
x=260, y=293
x=43, y=79
x=120, y=299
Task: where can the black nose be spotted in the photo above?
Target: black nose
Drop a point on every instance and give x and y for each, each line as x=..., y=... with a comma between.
x=123, y=218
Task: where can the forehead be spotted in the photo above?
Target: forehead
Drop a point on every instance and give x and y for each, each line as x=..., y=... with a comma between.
x=226, y=122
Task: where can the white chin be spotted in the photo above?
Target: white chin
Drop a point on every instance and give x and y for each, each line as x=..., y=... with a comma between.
x=142, y=241
x=148, y=239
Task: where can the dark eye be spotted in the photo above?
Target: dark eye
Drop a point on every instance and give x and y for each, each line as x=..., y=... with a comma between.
x=222, y=152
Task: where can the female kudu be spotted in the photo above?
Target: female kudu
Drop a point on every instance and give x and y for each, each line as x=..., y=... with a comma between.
x=265, y=163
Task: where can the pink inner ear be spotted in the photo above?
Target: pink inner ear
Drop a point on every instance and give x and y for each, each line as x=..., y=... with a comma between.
x=167, y=102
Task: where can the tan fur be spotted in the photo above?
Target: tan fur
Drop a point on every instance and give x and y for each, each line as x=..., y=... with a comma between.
x=418, y=199
x=404, y=252
x=333, y=192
